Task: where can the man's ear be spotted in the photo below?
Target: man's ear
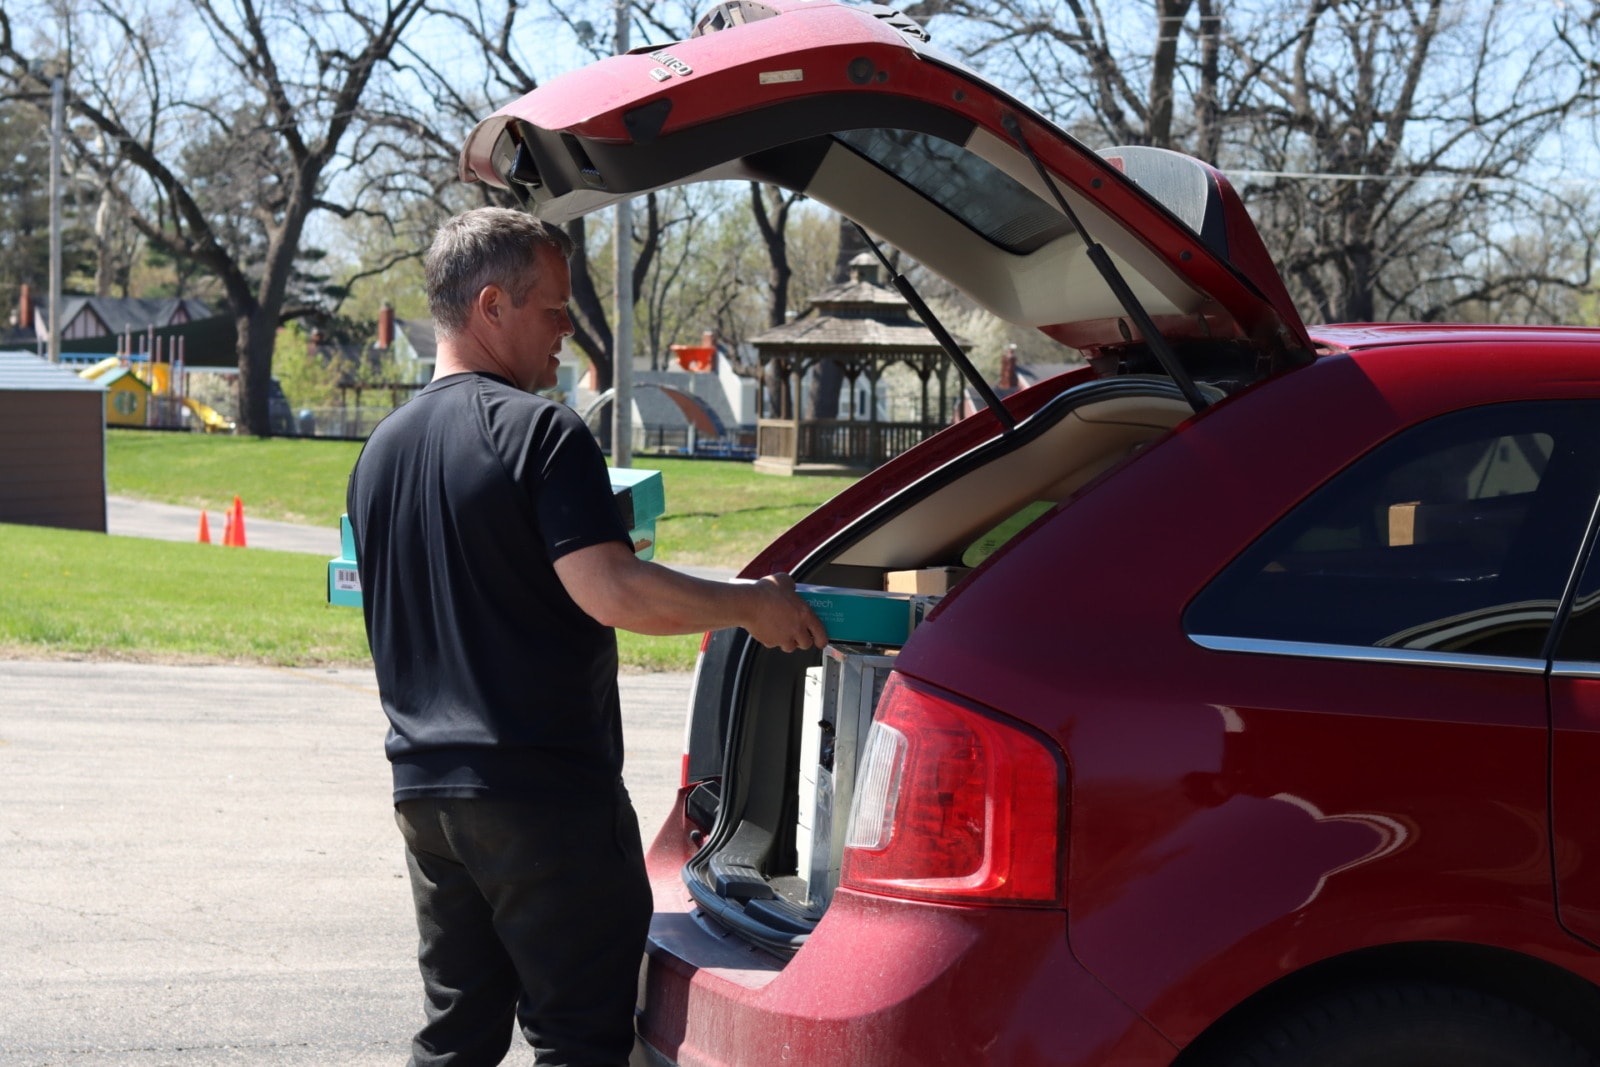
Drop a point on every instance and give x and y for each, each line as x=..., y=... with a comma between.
x=491, y=300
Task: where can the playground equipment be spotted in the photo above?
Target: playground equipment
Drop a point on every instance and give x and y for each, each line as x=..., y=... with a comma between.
x=160, y=378
x=209, y=417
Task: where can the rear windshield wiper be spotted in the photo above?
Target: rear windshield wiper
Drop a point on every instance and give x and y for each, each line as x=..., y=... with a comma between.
x=940, y=334
x=1119, y=285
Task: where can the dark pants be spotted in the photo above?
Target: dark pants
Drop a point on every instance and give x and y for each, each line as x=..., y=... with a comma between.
x=531, y=912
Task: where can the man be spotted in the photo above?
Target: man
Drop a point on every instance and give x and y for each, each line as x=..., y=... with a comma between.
x=494, y=566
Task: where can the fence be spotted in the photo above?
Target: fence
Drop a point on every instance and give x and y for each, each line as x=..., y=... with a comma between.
x=840, y=441
x=350, y=423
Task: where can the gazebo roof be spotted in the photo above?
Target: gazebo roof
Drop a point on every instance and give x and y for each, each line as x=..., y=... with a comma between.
x=858, y=334
x=860, y=293
x=859, y=316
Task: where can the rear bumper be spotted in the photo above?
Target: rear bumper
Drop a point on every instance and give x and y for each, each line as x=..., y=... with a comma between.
x=881, y=982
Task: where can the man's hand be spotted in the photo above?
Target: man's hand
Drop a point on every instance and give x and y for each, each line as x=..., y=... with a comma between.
x=783, y=619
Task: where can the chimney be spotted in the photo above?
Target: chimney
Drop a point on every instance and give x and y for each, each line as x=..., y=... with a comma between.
x=386, y=326
x=1008, y=368
x=25, y=307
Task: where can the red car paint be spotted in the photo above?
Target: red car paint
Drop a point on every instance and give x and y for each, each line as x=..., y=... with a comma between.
x=1234, y=819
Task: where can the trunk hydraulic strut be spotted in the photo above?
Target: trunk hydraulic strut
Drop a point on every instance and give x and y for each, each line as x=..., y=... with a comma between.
x=940, y=334
x=1119, y=285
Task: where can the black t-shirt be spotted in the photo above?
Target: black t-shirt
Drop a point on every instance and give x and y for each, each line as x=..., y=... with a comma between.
x=494, y=681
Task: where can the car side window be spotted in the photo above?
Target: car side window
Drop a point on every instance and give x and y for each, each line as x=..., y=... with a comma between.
x=1457, y=535
x=1580, y=634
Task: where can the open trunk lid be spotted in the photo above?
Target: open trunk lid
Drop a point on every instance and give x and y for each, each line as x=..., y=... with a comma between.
x=850, y=105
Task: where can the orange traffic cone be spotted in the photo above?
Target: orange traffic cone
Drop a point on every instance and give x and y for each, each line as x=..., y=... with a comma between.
x=227, y=528
x=238, y=523
x=205, y=529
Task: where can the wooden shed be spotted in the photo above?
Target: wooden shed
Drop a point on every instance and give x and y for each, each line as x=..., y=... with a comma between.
x=52, y=445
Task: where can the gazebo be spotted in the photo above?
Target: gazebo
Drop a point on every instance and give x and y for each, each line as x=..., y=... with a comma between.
x=865, y=328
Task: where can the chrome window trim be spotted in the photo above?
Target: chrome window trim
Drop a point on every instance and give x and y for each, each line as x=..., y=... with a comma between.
x=1364, y=654
x=1574, y=668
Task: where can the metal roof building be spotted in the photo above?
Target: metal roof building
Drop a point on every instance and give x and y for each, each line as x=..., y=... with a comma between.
x=52, y=445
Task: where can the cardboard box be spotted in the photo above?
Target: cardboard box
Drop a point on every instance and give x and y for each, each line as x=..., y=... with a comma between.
x=928, y=581
x=1403, y=524
x=860, y=616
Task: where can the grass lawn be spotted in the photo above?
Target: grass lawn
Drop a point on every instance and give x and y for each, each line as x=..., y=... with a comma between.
x=74, y=593
x=718, y=514
x=71, y=593
x=282, y=478
x=66, y=591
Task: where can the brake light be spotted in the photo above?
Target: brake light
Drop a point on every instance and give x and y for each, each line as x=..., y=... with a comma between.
x=954, y=804
x=684, y=780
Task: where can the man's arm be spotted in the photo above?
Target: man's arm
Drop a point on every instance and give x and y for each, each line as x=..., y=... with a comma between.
x=615, y=588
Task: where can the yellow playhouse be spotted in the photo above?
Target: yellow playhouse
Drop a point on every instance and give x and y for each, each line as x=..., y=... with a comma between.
x=127, y=398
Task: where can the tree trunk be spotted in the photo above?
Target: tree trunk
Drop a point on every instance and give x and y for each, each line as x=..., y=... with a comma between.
x=591, y=326
x=258, y=332
x=1164, y=70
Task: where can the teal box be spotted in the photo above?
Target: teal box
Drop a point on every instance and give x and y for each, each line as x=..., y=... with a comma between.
x=344, y=581
x=860, y=616
x=641, y=498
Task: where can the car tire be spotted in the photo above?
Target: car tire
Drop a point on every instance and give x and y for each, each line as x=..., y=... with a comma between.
x=1409, y=1025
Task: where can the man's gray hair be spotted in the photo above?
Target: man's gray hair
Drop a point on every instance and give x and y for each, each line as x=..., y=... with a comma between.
x=486, y=246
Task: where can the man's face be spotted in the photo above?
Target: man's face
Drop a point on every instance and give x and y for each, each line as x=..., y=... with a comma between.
x=540, y=323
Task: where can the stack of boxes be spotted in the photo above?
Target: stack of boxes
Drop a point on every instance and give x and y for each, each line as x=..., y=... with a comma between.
x=865, y=630
x=840, y=697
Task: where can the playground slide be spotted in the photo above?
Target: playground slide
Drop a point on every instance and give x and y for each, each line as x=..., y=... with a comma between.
x=95, y=370
x=208, y=416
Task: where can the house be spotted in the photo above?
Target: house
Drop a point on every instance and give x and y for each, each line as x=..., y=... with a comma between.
x=415, y=347
x=105, y=325
x=1014, y=377
x=85, y=317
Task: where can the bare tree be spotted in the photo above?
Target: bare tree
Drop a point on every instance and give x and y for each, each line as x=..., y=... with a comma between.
x=1105, y=74
x=294, y=70
x=1401, y=143
x=488, y=65
x=1394, y=152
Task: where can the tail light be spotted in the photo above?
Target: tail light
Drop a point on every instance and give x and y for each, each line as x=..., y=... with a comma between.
x=953, y=803
x=688, y=723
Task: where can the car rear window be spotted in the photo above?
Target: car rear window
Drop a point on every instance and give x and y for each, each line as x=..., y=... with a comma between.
x=985, y=198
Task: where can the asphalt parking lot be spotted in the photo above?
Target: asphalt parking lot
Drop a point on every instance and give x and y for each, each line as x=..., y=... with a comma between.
x=199, y=865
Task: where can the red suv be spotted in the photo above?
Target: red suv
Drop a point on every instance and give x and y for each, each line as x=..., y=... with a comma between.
x=1266, y=740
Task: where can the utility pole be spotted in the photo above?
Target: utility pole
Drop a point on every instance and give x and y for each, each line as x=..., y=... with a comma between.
x=57, y=108
x=622, y=336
